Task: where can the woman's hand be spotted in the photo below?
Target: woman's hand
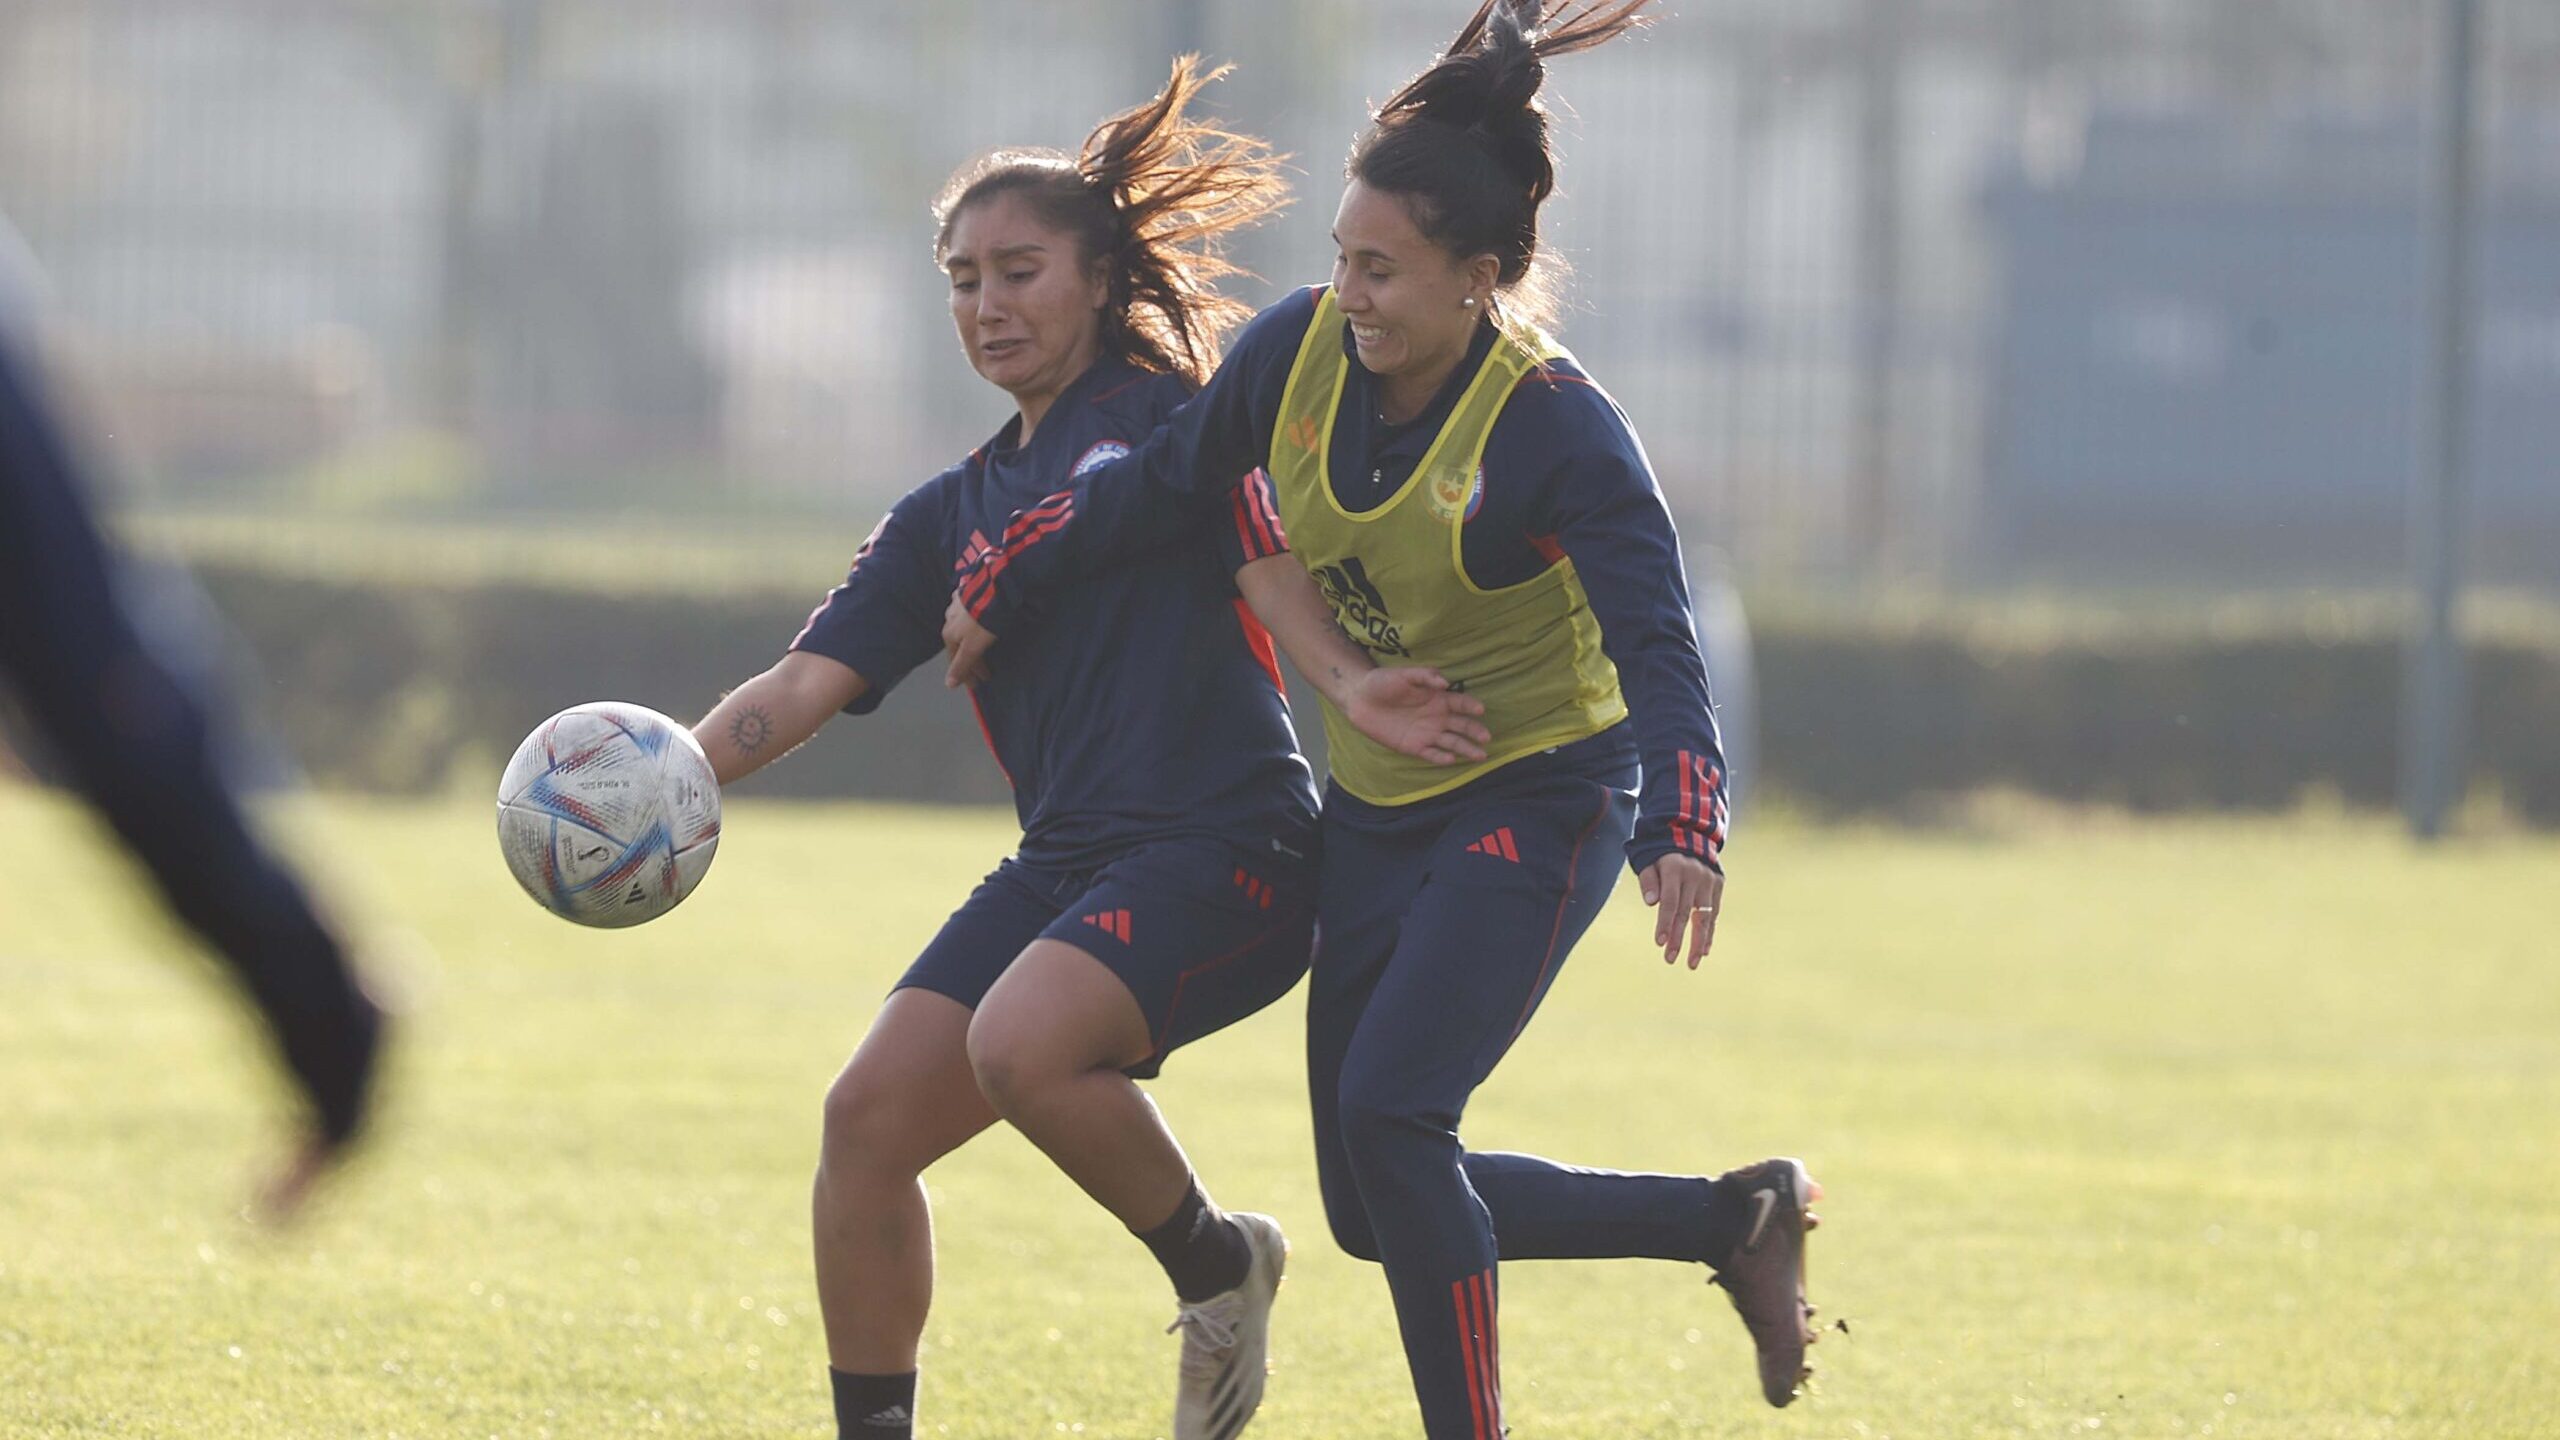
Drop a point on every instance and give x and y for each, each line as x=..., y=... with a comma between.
x=1685, y=894
x=1412, y=710
x=966, y=642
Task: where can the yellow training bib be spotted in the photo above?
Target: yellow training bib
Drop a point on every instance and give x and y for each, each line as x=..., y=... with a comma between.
x=1396, y=576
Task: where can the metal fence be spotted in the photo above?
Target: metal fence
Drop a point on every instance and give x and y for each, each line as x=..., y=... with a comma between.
x=670, y=256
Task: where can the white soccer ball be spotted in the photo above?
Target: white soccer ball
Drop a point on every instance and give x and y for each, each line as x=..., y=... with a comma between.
x=608, y=815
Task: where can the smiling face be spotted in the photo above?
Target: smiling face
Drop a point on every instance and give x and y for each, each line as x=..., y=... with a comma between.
x=1027, y=305
x=1408, y=299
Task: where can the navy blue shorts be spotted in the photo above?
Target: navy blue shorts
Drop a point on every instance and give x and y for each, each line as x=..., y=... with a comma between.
x=1200, y=936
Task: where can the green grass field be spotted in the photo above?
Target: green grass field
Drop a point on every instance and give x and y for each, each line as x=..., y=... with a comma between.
x=2210, y=1128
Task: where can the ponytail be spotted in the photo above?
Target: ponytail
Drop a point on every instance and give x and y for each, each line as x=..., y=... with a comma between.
x=1466, y=142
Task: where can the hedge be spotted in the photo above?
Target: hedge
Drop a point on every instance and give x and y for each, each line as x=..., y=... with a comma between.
x=410, y=687
x=405, y=686
x=1855, y=720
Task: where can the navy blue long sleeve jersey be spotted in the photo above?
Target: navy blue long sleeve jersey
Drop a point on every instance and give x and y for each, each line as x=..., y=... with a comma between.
x=130, y=734
x=1146, y=704
x=1563, y=475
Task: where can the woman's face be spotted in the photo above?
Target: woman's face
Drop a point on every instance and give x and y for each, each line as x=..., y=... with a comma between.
x=1027, y=306
x=1408, y=300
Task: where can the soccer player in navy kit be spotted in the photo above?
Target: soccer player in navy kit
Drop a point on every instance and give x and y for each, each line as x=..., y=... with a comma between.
x=1165, y=882
x=1467, y=499
x=138, y=740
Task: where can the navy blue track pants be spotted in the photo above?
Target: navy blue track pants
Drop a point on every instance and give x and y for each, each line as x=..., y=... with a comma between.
x=1443, y=924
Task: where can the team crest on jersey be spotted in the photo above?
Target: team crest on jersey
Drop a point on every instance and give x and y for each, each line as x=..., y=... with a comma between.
x=1453, y=494
x=1099, y=456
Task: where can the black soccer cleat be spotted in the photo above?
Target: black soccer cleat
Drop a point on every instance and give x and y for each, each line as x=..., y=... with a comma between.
x=1764, y=1276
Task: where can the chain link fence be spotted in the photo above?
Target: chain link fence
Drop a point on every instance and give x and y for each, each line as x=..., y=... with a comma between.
x=1926, y=290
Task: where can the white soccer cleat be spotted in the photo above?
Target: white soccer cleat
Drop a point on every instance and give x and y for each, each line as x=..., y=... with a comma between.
x=1226, y=1341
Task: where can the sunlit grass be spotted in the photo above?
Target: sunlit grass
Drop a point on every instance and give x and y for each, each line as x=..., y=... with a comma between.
x=2241, y=1129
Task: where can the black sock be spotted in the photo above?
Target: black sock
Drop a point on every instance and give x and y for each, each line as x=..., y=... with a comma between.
x=874, y=1407
x=1728, y=1211
x=1202, y=1251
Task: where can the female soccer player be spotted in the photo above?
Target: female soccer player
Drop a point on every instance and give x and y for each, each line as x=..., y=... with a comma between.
x=1164, y=884
x=1468, y=499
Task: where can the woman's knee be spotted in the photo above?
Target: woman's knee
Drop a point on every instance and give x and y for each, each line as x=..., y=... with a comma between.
x=880, y=1126
x=1345, y=1213
x=862, y=1120
x=1041, y=1030
x=905, y=1099
x=1013, y=1066
x=1373, y=1110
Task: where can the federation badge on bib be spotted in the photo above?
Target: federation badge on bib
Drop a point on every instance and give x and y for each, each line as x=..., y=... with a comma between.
x=1454, y=493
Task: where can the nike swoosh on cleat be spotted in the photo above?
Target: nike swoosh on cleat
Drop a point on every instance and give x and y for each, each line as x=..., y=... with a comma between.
x=1767, y=1200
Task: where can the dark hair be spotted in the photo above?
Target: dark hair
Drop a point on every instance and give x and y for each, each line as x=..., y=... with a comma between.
x=1150, y=197
x=1464, y=144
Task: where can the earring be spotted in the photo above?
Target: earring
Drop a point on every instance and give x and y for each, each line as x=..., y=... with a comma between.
x=1468, y=303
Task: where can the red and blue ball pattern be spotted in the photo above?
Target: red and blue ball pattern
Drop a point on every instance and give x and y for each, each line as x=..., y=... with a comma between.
x=608, y=815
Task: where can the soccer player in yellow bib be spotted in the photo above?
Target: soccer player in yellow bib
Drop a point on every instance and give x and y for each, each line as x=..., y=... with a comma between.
x=1468, y=500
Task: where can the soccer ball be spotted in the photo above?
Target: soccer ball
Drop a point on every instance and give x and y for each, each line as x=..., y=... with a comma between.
x=608, y=815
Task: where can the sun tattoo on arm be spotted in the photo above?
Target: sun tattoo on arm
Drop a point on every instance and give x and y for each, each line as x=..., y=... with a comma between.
x=750, y=729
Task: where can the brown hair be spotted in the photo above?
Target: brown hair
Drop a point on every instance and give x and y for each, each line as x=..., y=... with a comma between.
x=1150, y=196
x=1465, y=143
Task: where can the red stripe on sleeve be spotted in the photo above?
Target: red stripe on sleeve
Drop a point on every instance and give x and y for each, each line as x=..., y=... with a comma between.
x=977, y=589
x=1062, y=503
x=812, y=622
x=1548, y=374
x=1244, y=529
x=859, y=555
x=1258, y=640
x=1257, y=523
x=1021, y=536
x=1266, y=509
x=975, y=583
